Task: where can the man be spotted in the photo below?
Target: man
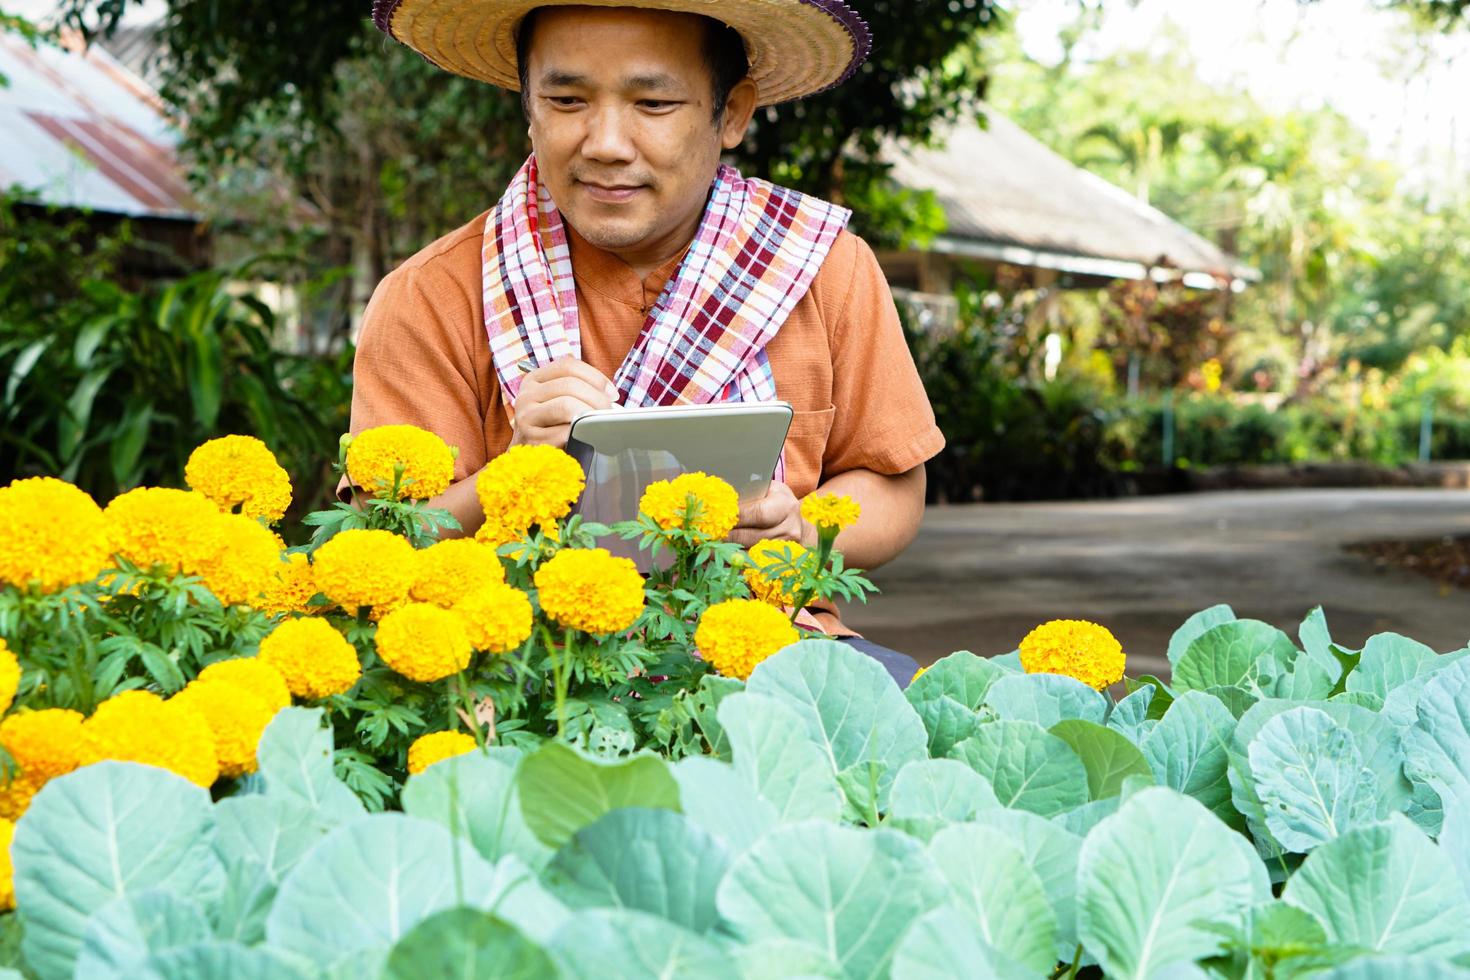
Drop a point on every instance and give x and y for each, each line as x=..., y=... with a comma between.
x=624, y=265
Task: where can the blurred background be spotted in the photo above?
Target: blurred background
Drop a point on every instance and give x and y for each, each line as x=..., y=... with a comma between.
x=1140, y=246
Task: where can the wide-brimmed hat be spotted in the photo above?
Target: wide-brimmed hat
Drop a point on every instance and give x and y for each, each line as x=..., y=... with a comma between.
x=796, y=47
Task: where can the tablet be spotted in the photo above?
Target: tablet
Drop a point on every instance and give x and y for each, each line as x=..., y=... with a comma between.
x=623, y=450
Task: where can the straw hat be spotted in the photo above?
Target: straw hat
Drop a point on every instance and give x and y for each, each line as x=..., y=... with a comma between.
x=796, y=47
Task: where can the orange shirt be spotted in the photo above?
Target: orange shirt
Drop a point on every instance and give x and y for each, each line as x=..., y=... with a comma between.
x=840, y=359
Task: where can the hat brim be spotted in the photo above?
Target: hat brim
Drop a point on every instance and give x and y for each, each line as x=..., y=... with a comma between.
x=796, y=47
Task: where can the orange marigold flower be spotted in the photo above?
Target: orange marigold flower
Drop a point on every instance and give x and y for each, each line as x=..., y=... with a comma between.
x=737, y=634
x=52, y=535
x=435, y=747
x=453, y=568
x=44, y=744
x=717, y=504
x=137, y=726
x=830, y=510
x=316, y=661
x=239, y=471
x=365, y=568
x=590, y=590
x=375, y=455
x=497, y=618
x=235, y=717
x=423, y=642
x=1075, y=648
x=525, y=487
x=252, y=674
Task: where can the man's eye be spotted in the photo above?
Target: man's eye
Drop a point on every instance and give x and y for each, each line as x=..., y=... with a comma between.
x=564, y=101
x=656, y=104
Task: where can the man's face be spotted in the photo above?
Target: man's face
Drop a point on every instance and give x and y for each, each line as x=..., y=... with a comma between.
x=621, y=104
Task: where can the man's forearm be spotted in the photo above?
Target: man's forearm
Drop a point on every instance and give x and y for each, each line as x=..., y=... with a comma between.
x=463, y=502
x=892, y=507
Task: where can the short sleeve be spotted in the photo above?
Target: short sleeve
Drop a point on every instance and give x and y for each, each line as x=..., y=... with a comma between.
x=883, y=421
x=417, y=362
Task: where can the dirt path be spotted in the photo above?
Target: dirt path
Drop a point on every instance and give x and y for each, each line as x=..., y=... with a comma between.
x=980, y=576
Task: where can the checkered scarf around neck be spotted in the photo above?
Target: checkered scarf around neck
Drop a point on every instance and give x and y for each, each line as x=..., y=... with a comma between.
x=755, y=254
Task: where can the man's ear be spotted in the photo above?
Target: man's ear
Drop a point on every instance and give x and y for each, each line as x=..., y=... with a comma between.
x=739, y=108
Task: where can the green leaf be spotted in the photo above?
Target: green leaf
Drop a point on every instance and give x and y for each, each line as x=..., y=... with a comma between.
x=1310, y=778
x=943, y=944
x=1317, y=641
x=1189, y=751
x=1389, y=660
x=1437, y=747
x=273, y=831
x=129, y=438
x=654, y=861
x=720, y=800
x=22, y=366
x=475, y=795
x=71, y=427
x=850, y=706
x=1051, y=852
x=784, y=959
x=1130, y=716
x=850, y=893
x=1163, y=695
x=621, y=944
x=295, y=756
x=947, y=721
x=1045, y=699
x=1108, y=757
x=772, y=753
x=1396, y=968
x=1143, y=906
x=104, y=831
x=989, y=879
x=1385, y=888
x=1243, y=653
x=563, y=790
x=469, y=944
x=961, y=676
x=392, y=870
x=217, y=960
x=1196, y=625
x=122, y=934
x=1028, y=767
x=940, y=789
x=205, y=376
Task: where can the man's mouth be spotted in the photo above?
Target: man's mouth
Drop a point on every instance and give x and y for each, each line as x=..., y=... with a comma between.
x=610, y=193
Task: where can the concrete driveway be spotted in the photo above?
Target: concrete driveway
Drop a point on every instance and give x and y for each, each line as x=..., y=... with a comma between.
x=980, y=576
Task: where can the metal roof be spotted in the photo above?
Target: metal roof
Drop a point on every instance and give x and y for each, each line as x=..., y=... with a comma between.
x=80, y=130
x=1009, y=198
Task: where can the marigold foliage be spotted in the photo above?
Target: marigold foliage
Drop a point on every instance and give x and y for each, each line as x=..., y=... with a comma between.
x=436, y=747
x=315, y=660
x=590, y=590
x=365, y=568
x=737, y=634
x=235, y=718
x=830, y=510
x=9, y=676
x=44, y=744
x=423, y=642
x=667, y=502
x=138, y=726
x=239, y=471
x=1076, y=648
x=175, y=529
x=253, y=675
x=52, y=535
x=525, y=487
x=292, y=588
x=769, y=574
x=450, y=569
x=374, y=455
x=245, y=562
x=7, y=869
x=496, y=617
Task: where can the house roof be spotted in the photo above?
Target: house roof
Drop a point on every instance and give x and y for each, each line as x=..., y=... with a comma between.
x=83, y=131
x=1009, y=198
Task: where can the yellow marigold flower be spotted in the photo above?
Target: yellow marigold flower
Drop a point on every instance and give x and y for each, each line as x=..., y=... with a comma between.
x=667, y=501
x=245, y=563
x=496, y=617
x=830, y=510
x=435, y=747
x=450, y=569
x=44, y=745
x=737, y=634
x=917, y=674
x=374, y=455
x=769, y=573
x=316, y=661
x=423, y=643
x=9, y=676
x=1076, y=648
x=259, y=677
x=235, y=717
x=175, y=529
x=588, y=589
x=239, y=471
x=7, y=869
x=365, y=568
x=293, y=587
x=51, y=534
x=526, y=486
x=137, y=726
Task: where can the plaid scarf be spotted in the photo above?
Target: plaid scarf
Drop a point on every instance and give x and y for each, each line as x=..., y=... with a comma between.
x=756, y=252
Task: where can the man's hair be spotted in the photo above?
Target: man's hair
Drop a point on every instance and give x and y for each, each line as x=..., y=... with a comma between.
x=723, y=50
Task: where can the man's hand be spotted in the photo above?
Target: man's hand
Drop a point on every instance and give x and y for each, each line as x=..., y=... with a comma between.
x=774, y=517
x=552, y=396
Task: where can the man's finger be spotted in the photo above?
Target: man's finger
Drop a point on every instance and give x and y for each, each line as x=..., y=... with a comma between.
x=561, y=410
x=571, y=367
x=566, y=387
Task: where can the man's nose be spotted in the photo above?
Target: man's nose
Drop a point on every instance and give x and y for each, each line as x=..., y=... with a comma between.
x=609, y=137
